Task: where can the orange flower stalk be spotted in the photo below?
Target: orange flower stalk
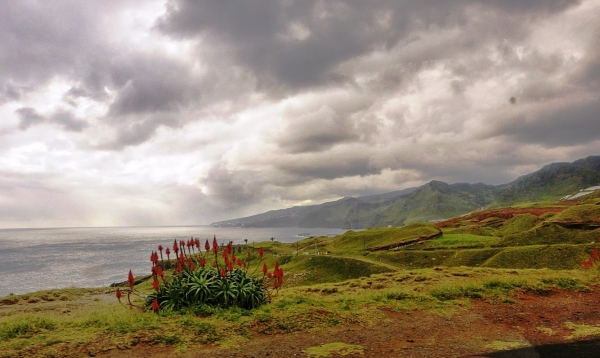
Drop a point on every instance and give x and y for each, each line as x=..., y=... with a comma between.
x=130, y=280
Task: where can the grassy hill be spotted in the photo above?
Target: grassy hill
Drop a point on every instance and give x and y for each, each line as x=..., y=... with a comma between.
x=495, y=256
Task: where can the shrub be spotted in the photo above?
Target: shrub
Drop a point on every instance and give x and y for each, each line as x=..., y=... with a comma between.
x=197, y=286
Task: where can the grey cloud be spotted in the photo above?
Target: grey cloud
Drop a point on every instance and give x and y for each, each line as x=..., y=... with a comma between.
x=328, y=165
x=156, y=86
x=232, y=188
x=588, y=75
x=317, y=131
x=40, y=40
x=258, y=32
x=68, y=121
x=571, y=124
x=136, y=131
x=29, y=117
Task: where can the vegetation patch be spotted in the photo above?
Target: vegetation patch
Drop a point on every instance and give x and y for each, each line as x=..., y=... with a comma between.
x=340, y=349
x=507, y=345
x=582, y=330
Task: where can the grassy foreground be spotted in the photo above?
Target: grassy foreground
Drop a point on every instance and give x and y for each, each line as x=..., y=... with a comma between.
x=88, y=322
x=489, y=259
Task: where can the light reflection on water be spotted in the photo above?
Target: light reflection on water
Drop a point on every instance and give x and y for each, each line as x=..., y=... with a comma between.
x=39, y=259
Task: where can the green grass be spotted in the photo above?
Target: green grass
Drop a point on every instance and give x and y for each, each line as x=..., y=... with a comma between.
x=458, y=240
x=104, y=325
x=361, y=240
x=311, y=269
x=585, y=213
x=519, y=223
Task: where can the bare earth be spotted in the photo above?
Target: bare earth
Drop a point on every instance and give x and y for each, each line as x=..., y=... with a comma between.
x=477, y=331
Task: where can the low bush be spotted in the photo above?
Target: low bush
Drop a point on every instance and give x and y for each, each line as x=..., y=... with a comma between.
x=196, y=286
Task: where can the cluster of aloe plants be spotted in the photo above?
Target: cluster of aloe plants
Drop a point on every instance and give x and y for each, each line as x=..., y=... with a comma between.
x=202, y=278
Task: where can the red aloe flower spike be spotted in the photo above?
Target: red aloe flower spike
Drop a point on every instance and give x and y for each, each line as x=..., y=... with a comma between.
x=160, y=273
x=276, y=267
x=261, y=252
x=269, y=275
x=226, y=250
x=215, y=246
x=130, y=280
x=181, y=258
x=233, y=258
x=155, y=305
x=160, y=248
x=197, y=243
x=225, y=255
x=230, y=266
x=223, y=273
x=182, y=246
x=280, y=276
x=595, y=254
x=118, y=294
x=239, y=262
x=179, y=268
x=207, y=246
x=155, y=284
x=168, y=252
x=191, y=264
x=265, y=269
x=215, y=264
x=175, y=246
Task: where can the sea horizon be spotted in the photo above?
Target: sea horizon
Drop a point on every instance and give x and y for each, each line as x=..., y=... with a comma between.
x=34, y=259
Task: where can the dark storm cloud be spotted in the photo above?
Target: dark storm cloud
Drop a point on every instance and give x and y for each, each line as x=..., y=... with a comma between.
x=262, y=36
x=154, y=85
x=555, y=124
x=40, y=40
x=329, y=166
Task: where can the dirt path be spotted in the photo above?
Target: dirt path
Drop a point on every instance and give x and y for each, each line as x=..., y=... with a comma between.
x=478, y=330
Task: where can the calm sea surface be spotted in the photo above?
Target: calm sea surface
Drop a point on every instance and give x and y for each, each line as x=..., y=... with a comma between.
x=39, y=259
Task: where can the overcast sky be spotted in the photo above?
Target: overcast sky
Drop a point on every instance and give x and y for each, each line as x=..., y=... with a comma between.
x=187, y=112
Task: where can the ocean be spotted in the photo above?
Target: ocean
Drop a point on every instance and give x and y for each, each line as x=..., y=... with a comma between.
x=41, y=259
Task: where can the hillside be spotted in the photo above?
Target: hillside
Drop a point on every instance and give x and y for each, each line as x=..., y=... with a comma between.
x=503, y=282
x=433, y=201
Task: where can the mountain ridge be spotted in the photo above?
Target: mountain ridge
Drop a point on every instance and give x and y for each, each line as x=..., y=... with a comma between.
x=435, y=200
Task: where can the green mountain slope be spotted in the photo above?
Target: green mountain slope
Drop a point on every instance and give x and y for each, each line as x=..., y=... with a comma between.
x=435, y=200
x=552, y=182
